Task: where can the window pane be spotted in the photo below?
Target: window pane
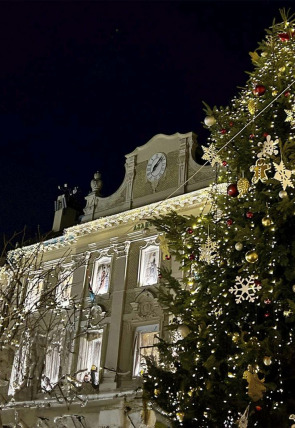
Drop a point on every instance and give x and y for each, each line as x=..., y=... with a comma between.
x=101, y=278
x=149, y=265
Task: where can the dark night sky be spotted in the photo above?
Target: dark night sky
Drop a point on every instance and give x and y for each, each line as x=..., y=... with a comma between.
x=83, y=83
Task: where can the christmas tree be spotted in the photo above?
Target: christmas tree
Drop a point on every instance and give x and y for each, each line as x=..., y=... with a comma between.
x=227, y=357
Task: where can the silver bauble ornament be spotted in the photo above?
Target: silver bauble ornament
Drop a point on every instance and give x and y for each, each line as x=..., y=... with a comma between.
x=293, y=288
x=267, y=361
x=183, y=330
x=283, y=194
x=209, y=120
x=239, y=246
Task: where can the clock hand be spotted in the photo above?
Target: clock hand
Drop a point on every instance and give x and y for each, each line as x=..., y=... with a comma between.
x=155, y=166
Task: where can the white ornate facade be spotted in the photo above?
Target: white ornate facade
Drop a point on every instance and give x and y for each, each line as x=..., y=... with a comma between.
x=119, y=317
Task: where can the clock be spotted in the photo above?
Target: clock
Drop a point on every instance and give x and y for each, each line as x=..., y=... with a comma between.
x=156, y=167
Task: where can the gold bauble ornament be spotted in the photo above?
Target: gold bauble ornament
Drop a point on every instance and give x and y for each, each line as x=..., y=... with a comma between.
x=251, y=256
x=243, y=186
x=274, y=93
x=156, y=392
x=267, y=361
x=283, y=194
x=293, y=288
x=239, y=246
x=209, y=120
x=252, y=107
x=266, y=221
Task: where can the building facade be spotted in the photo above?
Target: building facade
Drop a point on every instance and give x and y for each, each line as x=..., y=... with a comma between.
x=90, y=371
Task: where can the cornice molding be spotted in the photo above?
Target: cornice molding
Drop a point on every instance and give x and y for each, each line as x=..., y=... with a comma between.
x=70, y=235
x=136, y=214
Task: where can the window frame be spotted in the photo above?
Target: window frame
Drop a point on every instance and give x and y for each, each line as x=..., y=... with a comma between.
x=143, y=264
x=64, y=288
x=20, y=366
x=139, y=331
x=50, y=375
x=105, y=260
x=32, y=299
x=85, y=360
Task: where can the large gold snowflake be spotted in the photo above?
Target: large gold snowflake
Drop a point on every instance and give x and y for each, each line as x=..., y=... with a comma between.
x=211, y=155
x=283, y=175
x=291, y=116
x=208, y=251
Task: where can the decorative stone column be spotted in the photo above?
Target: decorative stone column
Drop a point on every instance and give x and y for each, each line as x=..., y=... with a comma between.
x=182, y=163
x=116, y=319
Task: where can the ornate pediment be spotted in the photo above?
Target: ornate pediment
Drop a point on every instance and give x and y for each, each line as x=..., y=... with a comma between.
x=146, y=306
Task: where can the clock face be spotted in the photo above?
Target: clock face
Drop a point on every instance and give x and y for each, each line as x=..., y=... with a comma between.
x=156, y=167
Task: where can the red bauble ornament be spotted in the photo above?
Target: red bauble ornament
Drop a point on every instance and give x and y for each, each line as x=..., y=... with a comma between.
x=287, y=94
x=259, y=90
x=224, y=163
x=258, y=408
x=231, y=123
x=232, y=190
x=192, y=257
x=284, y=37
x=189, y=230
x=267, y=301
x=266, y=315
x=229, y=221
x=265, y=134
x=167, y=257
x=223, y=131
x=251, y=136
x=249, y=214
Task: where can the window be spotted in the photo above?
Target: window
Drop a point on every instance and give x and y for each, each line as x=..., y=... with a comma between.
x=51, y=370
x=33, y=294
x=100, y=280
x=89, y=356
x=149, y=265
x=63, y=289
x=20, y=365
x=144, y=346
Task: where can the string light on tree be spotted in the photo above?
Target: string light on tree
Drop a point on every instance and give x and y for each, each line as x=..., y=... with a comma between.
x=240, y=304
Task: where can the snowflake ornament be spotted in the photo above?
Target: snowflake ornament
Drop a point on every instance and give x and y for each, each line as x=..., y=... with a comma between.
x=283, y=175
x=268, y=148
x=245, y=289
x=291, y=116
x=208, y=251
x=211, y=155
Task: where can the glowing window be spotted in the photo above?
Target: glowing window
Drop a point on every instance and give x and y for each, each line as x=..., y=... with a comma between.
x=144, y=346
x=100, y=280
x=149, y=265
x=89, y=356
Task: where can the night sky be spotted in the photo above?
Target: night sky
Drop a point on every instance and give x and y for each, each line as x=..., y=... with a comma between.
x=83, y=83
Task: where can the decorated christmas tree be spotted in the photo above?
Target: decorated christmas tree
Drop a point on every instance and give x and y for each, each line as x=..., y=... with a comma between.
x=227, y=357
